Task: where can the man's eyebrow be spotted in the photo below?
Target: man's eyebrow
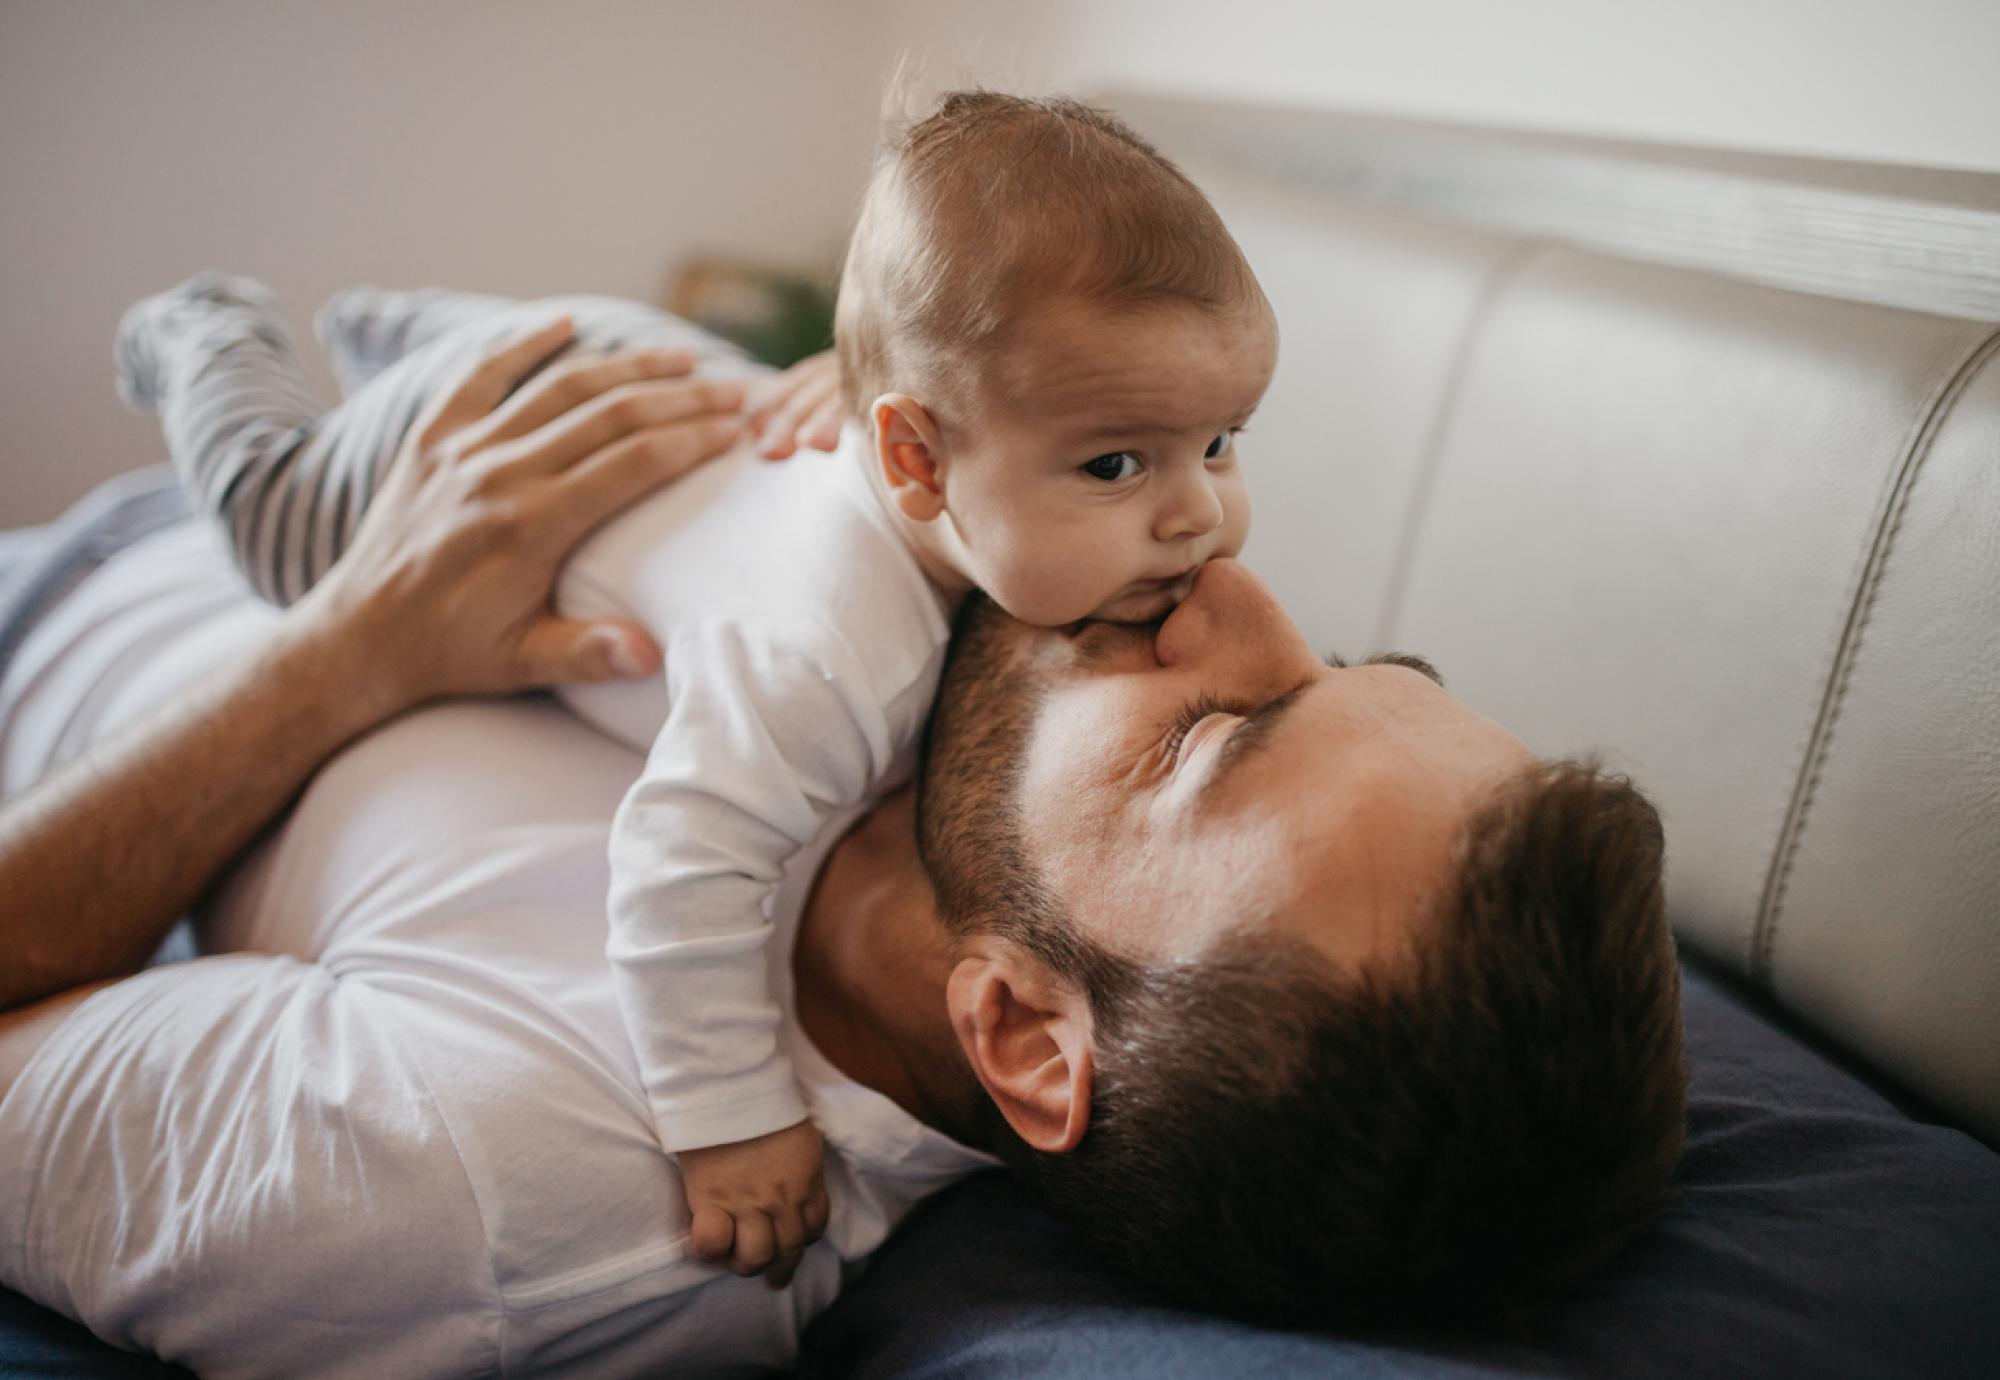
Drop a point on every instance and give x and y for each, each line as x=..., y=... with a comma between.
x=1255, y=729
x=1410, y=661
x=1405, y=659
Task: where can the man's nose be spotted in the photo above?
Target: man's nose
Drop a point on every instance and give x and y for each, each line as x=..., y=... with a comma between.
x=1229, y=614
x=1192, y=509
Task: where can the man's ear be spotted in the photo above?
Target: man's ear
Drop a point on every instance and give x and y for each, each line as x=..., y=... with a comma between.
x=1027, y=1036
x=909, y=449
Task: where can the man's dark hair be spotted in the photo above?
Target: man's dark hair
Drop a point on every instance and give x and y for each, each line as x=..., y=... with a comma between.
x=1464, y=1131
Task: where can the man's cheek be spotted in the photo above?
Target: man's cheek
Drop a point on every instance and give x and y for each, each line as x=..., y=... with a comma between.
x=1085, y=787
x=1049, y=771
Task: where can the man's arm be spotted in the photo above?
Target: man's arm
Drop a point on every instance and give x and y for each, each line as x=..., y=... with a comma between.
x=444, y=591
x=98, y=862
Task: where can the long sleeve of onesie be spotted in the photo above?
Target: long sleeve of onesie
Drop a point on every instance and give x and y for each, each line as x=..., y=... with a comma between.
x=771, y=729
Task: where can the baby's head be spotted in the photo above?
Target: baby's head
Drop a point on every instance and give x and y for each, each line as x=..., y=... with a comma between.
x=1053, y=340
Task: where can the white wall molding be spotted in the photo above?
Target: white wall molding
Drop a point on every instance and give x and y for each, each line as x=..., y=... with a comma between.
x=1922, y=239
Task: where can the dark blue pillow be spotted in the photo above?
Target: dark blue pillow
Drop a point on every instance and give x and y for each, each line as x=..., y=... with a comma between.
x=1819, y=1231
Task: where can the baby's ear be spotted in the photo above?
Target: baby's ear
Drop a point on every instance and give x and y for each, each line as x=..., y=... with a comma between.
x=908, y=448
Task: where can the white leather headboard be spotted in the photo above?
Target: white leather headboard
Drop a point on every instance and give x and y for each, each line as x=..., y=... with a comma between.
x=1627, y=441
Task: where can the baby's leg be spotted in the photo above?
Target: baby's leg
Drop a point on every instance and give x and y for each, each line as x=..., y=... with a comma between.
x=251, y=443
x=289, y=481
x=364, y=330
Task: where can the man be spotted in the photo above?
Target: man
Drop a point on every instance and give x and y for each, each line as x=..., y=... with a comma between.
x=1297, y=987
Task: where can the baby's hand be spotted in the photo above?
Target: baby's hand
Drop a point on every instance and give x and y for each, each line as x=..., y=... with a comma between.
x=757, y=1204
x=800, y=407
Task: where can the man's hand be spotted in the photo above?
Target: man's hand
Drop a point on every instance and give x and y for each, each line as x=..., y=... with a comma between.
x=447, y=582
x=445, y=590
x=800, y=407
x=757, y=1204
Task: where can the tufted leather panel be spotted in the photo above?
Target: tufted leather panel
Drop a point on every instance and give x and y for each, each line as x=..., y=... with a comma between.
x=1646, y=527
x=1372, y=309
x=1636, y=509
x=1884, y=925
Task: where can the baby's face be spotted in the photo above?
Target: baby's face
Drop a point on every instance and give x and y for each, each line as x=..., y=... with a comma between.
x=1103, y=468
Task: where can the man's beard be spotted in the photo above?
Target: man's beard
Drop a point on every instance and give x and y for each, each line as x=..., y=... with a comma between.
x=969, y=784
x=969, y=793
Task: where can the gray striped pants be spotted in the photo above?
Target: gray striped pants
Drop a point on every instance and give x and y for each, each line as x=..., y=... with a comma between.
x=289, y=479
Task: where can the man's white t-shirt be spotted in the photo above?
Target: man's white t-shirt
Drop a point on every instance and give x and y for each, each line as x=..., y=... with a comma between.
x=401, y=1133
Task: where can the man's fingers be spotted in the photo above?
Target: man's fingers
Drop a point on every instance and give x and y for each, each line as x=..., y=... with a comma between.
x=623, y=411
x=756, y=1244
x=567, y=385
x=711, y=1235
x=481, y=390
x=580, y=651
x=595, y=488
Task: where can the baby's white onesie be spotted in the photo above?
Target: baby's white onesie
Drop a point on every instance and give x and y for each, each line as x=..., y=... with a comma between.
x=802, y=646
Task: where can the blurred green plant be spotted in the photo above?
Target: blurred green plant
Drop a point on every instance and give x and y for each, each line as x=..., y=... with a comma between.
x=780, y=317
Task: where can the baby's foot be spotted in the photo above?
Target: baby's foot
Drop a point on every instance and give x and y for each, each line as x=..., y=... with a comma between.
x=192, y=322
x=364, y=330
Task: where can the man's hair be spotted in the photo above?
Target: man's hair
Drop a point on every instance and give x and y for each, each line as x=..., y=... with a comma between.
x=994, y=203
x=1462, y=1133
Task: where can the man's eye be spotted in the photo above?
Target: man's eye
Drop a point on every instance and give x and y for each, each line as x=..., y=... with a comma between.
x=1111, y=468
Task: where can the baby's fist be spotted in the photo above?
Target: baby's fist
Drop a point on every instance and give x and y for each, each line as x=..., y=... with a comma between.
x=757, y=1204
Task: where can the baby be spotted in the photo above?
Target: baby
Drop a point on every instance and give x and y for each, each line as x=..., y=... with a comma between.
x=1048, y=343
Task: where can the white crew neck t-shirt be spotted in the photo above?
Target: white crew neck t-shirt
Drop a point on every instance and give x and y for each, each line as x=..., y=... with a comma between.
x=403, y=1134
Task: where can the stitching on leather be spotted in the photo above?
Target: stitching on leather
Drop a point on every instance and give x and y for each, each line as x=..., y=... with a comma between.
x=1840, y=671
x=1498, y=278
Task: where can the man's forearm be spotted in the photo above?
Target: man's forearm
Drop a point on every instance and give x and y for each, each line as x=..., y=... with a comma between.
x=98, y=860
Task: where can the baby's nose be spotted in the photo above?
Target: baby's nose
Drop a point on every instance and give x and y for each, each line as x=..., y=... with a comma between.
x=1196, y=510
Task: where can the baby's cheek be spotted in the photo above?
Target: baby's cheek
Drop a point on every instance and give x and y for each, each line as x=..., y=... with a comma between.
x=1235, y=528
x=1046, y=590
x=1053, y=579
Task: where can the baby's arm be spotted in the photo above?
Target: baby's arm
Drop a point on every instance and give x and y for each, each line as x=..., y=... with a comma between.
x=770, y=733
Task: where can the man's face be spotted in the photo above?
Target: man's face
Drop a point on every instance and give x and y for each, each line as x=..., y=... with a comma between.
x=1170, y=784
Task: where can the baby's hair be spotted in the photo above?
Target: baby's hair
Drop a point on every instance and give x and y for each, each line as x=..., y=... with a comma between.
x=994, y=203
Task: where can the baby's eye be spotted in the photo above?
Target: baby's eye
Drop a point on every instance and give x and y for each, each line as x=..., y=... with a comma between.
x=1219, y=446
x=1122, y=464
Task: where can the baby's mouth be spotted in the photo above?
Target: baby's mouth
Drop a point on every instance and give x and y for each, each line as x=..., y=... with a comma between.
x=1177, y=585
x=1146, y=601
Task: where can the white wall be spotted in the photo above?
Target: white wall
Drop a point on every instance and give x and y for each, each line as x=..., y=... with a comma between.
x=1904, y=81
x=508, y=147
x=586, y=146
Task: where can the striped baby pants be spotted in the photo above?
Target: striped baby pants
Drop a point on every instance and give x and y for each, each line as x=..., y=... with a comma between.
x=290, y=479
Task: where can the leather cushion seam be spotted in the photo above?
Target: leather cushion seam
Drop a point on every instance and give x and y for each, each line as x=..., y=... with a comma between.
x=1840, y=671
